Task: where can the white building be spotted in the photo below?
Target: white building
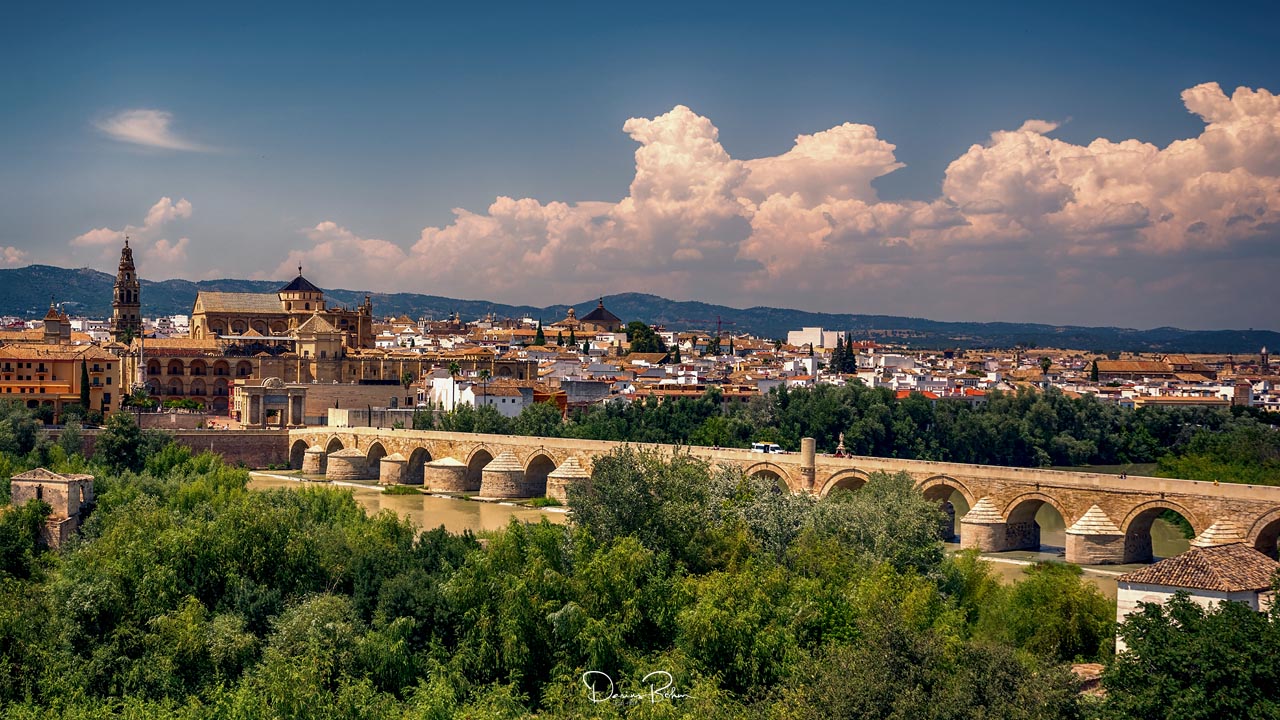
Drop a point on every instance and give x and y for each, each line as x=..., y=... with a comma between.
x=507, y=400
x=817, y=336
x=1209, y=575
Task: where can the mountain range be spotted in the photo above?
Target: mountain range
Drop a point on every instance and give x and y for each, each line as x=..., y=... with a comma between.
x=86, y=292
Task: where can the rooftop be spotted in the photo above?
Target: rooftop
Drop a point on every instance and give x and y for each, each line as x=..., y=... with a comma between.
x=1225, y=568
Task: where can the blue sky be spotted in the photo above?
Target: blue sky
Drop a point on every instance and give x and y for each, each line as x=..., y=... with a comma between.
x=239, y=140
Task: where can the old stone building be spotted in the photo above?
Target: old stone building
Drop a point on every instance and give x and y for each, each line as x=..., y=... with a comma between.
x=69, y=496
x=292, y=334
x=252, y=316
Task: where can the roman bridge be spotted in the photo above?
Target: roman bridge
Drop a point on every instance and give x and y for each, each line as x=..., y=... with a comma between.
x=1108, y=518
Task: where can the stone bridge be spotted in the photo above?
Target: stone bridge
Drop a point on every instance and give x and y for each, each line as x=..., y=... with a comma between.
x=1108, y=518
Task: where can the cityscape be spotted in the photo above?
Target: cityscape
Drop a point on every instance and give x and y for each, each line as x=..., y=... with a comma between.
x=407, y=399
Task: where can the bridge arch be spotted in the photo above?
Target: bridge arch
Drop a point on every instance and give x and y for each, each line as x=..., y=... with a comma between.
x=943, y=489
x=374, y=455
x=1137, y=528
x=333, y=446
x=1265, y=533
x=297, y=452
x=940, y=487
x=1022, y=530
x=773, y=472
x=849, y=479
x=414, y=467
x=536, y=469
x=479, y=457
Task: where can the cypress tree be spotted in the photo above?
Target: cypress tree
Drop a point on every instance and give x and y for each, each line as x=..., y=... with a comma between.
x=573, y=338
x=539, y=339
x=84, y=384
x=1093, y=371
x=560, y=338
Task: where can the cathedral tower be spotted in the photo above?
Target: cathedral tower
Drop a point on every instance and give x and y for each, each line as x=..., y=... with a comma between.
x=126, y=307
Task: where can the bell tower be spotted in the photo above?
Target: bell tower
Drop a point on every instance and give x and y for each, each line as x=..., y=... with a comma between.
x=126, y=307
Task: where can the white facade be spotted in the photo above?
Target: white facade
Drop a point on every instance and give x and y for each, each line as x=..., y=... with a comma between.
x=816, y=335
x=1129, y=594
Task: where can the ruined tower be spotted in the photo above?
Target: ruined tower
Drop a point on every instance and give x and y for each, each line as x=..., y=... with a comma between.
x=126, y=307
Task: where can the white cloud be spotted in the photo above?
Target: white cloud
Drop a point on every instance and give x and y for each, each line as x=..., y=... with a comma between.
x=161, y=213
x=807, y=227
x=12, y=255
x=159, y=256
x=149, y=128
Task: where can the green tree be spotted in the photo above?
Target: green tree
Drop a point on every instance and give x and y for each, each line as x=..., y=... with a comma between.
x=663, y=501
x=559, y=338
x=540, y=419
x=713, y=346
x=1054, y=612
x=20, y=542
x=573, y=338
x=1093, y=371
x=19, y=431
x=539, y=338
x=886, y=520
x=643, y=339
x=71, y=440
x=1045, y=364
x=123, y=446
x=1185, y=661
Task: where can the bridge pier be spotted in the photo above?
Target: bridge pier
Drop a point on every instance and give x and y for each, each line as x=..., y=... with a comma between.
x=503, y=478
x=391, y=469
x=984, y=528
x=313, y=461
x=1095, y=540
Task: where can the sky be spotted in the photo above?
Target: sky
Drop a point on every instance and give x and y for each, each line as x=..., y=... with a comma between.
x=1097, y=164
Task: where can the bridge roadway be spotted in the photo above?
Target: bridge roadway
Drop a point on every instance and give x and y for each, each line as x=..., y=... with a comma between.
x=1108, y=518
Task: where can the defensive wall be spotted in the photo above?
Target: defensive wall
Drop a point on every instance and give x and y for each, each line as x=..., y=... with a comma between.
x=250, y=448
x=1108, y=517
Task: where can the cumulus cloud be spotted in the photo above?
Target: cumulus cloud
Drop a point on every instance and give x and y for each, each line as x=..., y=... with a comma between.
x=162, y=257
x=148, y=128
x=12, y=255
x=807, y=227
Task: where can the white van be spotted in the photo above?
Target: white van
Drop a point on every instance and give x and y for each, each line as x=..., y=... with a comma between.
x=771, y=448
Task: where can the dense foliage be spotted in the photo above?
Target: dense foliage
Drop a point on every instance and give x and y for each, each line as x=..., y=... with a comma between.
x=1187, y=662
x=190, y=596
x=1023, y=429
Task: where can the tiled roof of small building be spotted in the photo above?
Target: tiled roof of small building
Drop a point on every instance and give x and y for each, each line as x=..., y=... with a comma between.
x=1226, y=568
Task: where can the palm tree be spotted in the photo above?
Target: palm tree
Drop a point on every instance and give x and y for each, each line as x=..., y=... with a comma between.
x=454, y=369
x=484, y=380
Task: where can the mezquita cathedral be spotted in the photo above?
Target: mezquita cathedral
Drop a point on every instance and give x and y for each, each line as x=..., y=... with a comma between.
x=292, y=334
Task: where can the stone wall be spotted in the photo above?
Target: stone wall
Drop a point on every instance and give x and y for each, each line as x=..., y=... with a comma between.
x=176, y=420
x=250, y=448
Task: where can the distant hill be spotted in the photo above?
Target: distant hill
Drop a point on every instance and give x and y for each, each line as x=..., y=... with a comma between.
x=25, y=292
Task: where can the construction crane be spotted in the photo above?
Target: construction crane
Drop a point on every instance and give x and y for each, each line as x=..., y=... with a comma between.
x=720, y=323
